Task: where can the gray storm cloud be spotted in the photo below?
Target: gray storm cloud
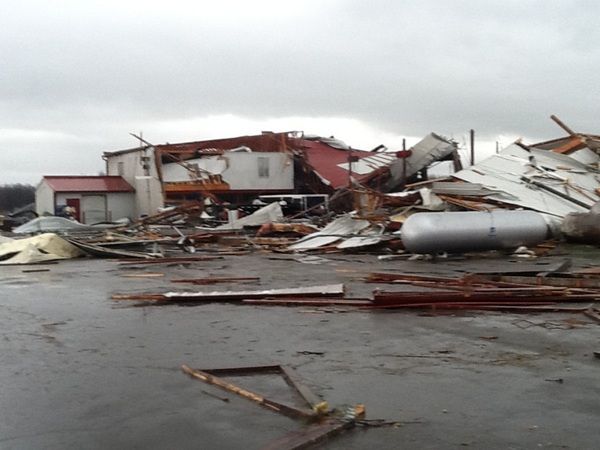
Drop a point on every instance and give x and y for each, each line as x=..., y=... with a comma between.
x=87, y=73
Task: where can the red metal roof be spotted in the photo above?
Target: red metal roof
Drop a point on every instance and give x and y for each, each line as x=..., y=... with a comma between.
x=88, y=184
x=324, y=159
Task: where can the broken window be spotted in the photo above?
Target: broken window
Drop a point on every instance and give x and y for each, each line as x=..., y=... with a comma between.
x=263, y=167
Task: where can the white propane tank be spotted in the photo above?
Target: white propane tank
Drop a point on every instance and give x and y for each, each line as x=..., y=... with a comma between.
x=458, y=232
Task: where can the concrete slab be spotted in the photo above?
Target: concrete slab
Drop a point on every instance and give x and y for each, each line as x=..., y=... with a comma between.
x=79, y=370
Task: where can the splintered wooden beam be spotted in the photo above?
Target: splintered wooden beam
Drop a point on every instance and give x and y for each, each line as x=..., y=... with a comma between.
x=279, y=407
x=292, y=378
x=322, y=427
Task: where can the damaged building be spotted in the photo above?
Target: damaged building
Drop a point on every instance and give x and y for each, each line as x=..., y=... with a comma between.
x=240, y=169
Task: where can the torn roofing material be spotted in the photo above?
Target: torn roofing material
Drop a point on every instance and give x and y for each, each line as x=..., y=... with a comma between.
x=328, y=162
x=428, y=150
x=344, y=226
x=519, y=177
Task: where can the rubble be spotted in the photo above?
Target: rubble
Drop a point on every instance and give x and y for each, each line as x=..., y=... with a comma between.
x=378, y=205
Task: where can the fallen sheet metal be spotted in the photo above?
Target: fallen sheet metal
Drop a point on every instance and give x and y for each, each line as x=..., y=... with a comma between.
x=344, y=226
x=104, y=252
x=514, y=170
x=330, y=290
x=50, y=224
x=367, y=239
x=432, y=147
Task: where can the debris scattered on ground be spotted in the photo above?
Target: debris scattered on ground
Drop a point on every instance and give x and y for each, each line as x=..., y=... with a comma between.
x=321, y=422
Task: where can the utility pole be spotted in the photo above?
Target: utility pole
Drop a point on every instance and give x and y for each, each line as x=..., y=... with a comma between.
x=403, y=154
x=404, y=163
x=472, y=147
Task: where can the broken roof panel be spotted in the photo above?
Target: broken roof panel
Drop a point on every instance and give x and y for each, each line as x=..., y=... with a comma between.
x=505, y=172
x=344, y=226
x=428, y=150
x=331, y=163
x=370, y=162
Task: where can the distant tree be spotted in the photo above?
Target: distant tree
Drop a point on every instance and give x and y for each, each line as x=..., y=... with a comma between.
x=14, y=196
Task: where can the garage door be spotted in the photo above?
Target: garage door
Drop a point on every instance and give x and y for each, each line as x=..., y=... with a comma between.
x=93, y=208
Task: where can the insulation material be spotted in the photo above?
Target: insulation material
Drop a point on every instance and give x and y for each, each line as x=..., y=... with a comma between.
x=44, y=247
x=4, y=239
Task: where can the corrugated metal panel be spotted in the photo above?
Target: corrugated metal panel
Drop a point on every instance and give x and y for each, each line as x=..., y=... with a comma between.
x=503, y=173
x=342, y=226
x=328, y=162
x=370, y=163
x=88, y=184
x=428, y=150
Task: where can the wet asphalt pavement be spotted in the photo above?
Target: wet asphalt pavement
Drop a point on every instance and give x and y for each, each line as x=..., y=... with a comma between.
x=81, y=371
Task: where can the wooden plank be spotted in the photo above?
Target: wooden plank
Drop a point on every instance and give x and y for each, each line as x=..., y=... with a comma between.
x=293, y=379
x=309, y=436
x=593, y=313
x=279, y=407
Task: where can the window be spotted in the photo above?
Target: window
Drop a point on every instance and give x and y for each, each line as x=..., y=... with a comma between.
x=121, y=168
x=263, y=167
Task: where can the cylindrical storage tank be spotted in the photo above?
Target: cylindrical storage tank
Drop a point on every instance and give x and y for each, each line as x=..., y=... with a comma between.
x=458, y=232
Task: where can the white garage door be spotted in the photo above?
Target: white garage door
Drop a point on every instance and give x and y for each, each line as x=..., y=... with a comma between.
x=93, y=208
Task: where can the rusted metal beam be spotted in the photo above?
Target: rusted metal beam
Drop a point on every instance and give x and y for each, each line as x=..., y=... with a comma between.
x=571, y=282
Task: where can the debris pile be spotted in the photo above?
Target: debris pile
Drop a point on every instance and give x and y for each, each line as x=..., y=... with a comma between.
x=378, y=201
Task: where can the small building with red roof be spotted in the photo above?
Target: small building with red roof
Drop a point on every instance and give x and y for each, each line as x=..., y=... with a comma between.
x=87, y=199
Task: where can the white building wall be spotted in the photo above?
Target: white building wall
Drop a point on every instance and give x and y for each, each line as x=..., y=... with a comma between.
x=44, y=199
x=241, y=170
x=148, y=195
x=118, y=204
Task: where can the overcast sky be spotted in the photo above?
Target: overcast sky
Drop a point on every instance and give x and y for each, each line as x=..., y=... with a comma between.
x=76, y=77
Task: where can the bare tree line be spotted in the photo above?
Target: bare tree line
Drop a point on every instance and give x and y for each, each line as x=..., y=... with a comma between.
x=14, y=196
